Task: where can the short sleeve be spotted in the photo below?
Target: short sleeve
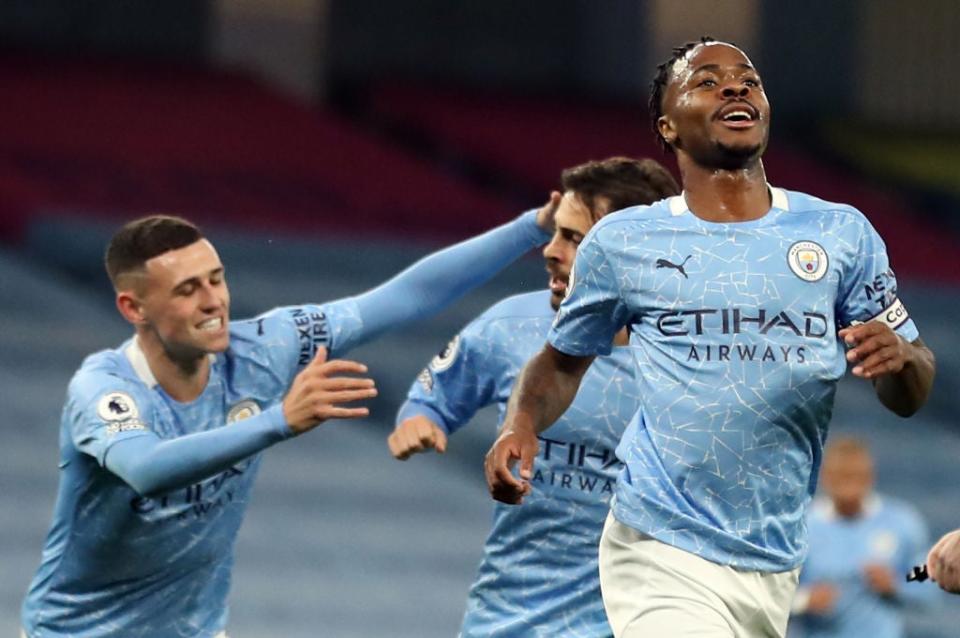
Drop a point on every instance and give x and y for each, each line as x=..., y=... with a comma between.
x=103, y=409
x=593, y=311
x=868, y=292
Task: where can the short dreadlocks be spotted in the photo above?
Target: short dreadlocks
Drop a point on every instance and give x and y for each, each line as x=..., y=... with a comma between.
x=660, y=83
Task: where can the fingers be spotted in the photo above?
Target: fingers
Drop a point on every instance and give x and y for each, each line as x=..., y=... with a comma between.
x=345, y=413
x=943, y=562
x=348, y=396
x=545, y=216
x=441, y=441
x=503, y=485
x=414, y=435
x=527, y=454
x=875, y=349
x=341, y=366
x=319, y=357
x=885, y=361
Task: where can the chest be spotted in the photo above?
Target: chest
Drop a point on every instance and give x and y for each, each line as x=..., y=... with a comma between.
x=782, y=268
x=842, y=550
x=228, y=397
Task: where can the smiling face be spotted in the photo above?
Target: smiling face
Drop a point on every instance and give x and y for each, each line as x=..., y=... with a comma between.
x=573, y=221
x=714, y=107
x=181, y=300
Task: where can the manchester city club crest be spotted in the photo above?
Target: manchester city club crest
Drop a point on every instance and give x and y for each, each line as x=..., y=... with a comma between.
x=808, y=260
x=243, y=410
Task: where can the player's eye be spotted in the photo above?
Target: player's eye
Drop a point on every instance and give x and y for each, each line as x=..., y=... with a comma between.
x=754, y=82
x=707, y=82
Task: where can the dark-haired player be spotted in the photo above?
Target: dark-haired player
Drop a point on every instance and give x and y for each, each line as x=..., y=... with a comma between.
x=538, y=575
x=739, y=350
x=161, y=437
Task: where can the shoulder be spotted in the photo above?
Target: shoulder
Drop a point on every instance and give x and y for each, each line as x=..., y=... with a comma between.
x=509, y=317
x=633, y=218
x=902, y=512
x=106, y=373
x=805, y=204
x=523, y=306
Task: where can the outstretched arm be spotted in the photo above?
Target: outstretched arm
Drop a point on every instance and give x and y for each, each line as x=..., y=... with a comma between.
x=436, y=281
x=543, y=392
x=151, y=465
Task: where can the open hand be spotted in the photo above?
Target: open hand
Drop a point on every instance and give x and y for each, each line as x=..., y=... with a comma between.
x=319, y=392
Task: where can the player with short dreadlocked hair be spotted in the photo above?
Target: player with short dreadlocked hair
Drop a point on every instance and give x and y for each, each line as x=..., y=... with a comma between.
x=659, y=84
x=744, y=304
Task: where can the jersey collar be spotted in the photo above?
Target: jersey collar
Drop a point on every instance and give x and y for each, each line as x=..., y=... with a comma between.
x=778, y=199
x=138, y=361
x=823, y=506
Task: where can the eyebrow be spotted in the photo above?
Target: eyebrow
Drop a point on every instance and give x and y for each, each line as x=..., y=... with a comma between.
x=194, y=279
x=717, y=67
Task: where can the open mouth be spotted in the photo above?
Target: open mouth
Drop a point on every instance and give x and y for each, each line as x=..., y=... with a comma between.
x=558, y=285
x=738, y=116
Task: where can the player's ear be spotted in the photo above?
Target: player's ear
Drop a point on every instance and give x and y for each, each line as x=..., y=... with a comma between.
x=667, y=130
x=130, y=307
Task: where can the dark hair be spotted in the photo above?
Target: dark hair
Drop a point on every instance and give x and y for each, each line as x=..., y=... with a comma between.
x=623, y=181
x=660, y=81
x=145, y=238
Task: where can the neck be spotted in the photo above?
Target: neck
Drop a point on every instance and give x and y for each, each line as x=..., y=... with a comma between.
x=724, y=195
x=622, y=338
x=849, y=511
x=183, y=378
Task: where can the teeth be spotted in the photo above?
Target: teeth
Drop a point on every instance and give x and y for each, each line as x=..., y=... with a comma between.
x=212, y=324
x=737, y=115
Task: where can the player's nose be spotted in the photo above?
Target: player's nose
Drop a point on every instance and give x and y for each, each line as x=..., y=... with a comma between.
x=736, y=89
x=551, y=250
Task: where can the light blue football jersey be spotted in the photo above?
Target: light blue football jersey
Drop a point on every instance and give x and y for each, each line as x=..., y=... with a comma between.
x=118, y=564
x=539, y=574
x=889, y=533
x=734, y=327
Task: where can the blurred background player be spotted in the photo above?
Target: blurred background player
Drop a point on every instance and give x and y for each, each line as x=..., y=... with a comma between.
x=733, y=292
x=861, y=546
x=538, y=576
x=160, y=437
